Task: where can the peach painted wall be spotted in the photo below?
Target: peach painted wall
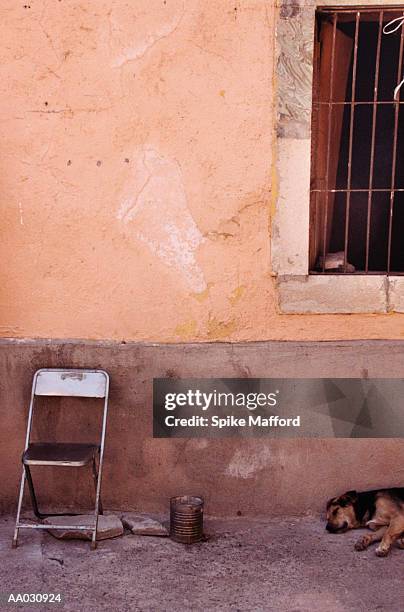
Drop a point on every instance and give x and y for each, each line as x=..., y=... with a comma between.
x=136, y=142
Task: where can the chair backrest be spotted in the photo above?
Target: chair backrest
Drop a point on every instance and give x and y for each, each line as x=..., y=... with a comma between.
x=71, y=383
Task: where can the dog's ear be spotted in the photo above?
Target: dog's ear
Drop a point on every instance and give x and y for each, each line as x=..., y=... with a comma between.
x=350, y=497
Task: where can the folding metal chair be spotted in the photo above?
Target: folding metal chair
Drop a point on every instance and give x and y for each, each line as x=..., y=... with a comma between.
x=64, y=383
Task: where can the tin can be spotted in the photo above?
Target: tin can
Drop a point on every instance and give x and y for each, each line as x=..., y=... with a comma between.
x=186, y=519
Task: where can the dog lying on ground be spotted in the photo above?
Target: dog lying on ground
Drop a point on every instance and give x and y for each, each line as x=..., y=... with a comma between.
x=381, y=510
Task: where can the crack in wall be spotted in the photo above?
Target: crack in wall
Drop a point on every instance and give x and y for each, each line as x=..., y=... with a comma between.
x=138, y=51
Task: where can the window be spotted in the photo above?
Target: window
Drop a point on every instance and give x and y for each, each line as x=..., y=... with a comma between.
x=356, y=220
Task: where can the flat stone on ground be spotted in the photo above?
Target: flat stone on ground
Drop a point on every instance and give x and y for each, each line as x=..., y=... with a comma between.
x=108, y=526
x=141, y=524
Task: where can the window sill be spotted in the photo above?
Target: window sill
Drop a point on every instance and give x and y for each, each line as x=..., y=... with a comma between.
x=340, y=294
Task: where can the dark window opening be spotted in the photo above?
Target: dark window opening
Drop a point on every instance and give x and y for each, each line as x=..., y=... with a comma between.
x=357, y=178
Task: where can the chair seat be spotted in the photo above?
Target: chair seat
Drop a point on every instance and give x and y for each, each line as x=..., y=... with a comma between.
x=59, y=453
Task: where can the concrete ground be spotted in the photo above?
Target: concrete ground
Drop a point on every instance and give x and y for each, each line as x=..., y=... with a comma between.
x=248, y=564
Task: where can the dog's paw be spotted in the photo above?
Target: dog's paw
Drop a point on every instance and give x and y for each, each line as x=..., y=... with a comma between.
x=400, y=543
x=381, y=551
x=373, y=525
x=362, y=543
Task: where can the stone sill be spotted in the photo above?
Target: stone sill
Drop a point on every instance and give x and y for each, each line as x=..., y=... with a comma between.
x=340, y=294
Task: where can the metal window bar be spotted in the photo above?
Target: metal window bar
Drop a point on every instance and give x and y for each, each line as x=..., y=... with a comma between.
x=394, y=163
x=351, y=126
x=383, y=14
x=372, y=146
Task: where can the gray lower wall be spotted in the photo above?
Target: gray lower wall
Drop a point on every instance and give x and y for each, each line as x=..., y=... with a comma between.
x=251, y=476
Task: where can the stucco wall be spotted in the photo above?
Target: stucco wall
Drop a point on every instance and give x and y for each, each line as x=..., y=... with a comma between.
x=136, y=173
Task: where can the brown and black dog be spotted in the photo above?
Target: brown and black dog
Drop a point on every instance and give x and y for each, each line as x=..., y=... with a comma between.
x=381, y=510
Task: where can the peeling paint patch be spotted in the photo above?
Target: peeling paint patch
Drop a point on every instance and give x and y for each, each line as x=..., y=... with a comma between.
x=201, y=296
x=21, y=213
x=246, y=462
x=198, y=443
x=215, y=235
x=186, y=330
x=220, y=329
x=237, y=294
x=154, y=207
x=140, y=48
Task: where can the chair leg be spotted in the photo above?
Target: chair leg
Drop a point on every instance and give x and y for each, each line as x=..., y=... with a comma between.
x=20, y=498
x=38, y=514
x=98, y=504
x=95, y=477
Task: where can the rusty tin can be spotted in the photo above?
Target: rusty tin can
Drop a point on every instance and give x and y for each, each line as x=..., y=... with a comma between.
x=186, y=519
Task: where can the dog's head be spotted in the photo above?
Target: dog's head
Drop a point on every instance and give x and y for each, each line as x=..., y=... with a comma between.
x=341, y=513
